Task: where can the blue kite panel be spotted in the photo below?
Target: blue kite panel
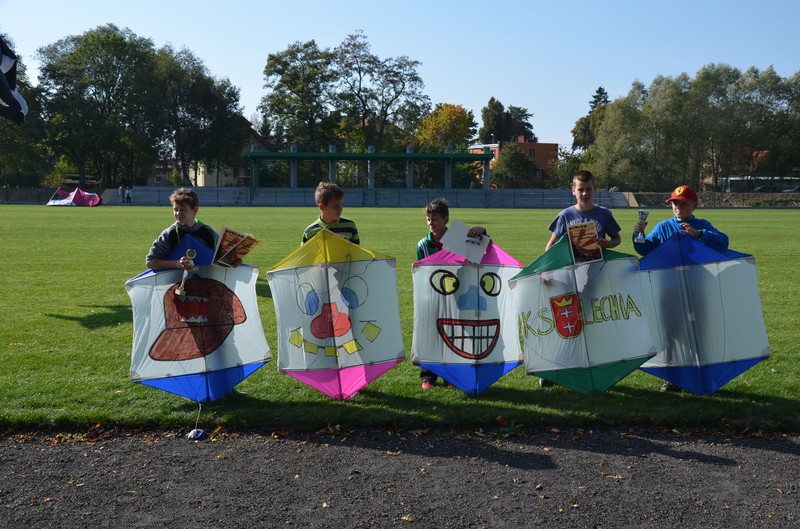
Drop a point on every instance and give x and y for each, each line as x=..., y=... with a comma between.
x=683, y=249
x=471, y=378
x=703, y=380
x=204, y=387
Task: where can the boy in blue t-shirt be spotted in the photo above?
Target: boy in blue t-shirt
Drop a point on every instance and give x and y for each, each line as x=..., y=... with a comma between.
x=585, y=210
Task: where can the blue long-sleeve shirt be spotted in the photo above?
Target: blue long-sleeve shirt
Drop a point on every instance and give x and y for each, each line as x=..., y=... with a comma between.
x=667, y=228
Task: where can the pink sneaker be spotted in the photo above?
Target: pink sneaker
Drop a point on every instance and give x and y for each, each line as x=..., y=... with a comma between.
x=427, y=384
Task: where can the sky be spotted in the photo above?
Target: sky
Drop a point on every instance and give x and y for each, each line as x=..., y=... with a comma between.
x=548, y=57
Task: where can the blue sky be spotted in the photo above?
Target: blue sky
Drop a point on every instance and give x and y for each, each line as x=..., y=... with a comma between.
x=548, y=57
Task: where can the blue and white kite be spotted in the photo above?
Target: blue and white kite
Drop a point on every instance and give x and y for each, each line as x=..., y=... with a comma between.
x=198, y=336
x=704, y=311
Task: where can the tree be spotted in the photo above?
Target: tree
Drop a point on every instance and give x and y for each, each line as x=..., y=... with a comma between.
x=585, y=129
x=564, y=167
x=202, y=115
x=514, y=170
x=298, y=106
x=500, y=124
x=376, y=95
x=447, y=125
x=97, y=99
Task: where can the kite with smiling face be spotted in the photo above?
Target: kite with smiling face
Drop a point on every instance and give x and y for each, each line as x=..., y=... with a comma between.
x=338, y=315
x=464, y=325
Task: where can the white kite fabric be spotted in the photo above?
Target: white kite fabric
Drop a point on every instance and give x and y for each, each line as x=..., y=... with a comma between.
x=464, y=325
x=338, y=315
x=202, y=343
x=582, y=325
x=705, y=314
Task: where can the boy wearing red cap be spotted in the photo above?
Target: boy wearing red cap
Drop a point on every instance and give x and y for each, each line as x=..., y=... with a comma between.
x=684, y=202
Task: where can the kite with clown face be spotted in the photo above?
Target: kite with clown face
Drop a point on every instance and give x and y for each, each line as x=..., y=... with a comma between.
x=464, y=322
x=338, y=315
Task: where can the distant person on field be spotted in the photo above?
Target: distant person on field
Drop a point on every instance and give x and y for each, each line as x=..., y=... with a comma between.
x=121, y=192
x=329, y=198
x=683, y=201
x=437, y=215
x=128, y=192
x=185, y=205
x=584, y=210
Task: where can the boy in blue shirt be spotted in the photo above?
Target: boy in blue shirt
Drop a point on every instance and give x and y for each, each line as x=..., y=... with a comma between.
x=683, y=201
x=329, y=198
x=585, y=210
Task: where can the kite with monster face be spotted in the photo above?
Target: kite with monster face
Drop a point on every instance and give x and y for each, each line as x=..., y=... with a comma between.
x=201, y=340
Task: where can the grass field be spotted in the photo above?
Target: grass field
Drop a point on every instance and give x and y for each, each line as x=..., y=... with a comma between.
x=66, y=330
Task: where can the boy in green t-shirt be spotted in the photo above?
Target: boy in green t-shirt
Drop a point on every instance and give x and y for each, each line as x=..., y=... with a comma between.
x=329, y=198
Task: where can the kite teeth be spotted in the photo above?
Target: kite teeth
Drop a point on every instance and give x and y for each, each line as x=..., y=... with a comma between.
x=195, y=319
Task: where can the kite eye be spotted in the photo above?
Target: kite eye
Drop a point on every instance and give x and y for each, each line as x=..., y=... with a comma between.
x=354, y=292
x=491, y=283
x=308, y=299
x=444, y=282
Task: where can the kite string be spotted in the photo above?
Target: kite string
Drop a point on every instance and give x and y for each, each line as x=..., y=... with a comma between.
x=197, y=419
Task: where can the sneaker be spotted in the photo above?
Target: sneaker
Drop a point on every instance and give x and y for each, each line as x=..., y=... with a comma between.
x=427, y=384
x=669, y=386
x=546, y=383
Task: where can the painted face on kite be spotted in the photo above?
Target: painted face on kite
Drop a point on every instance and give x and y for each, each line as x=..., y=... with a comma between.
x=339, y=317
x=473, y=334
x=198, y=321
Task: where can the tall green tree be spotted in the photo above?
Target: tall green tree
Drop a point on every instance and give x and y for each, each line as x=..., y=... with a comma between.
x=201, y=116
x=500, y=124
x=376, y=96
x=447, y=125
x=298, y=107
x=96, y=91
x=585, y=129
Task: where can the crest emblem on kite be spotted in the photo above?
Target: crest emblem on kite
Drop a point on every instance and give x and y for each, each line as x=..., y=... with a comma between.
x=199, y=343
x=338, y=315
x=461, y=315
x=567, y=314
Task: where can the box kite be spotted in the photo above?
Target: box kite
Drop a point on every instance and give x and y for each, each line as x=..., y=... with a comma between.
x=464, y=327
x=338, y=315
x=582, y=325
x=705, y=314
x=202, y=340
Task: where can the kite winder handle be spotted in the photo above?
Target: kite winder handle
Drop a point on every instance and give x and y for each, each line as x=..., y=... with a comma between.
x=191, y=254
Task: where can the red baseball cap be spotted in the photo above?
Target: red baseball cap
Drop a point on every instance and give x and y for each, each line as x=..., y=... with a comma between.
x=684, y=194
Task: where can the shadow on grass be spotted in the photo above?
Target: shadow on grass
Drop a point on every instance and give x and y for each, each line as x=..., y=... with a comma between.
x=107, y=316
x=262, y=288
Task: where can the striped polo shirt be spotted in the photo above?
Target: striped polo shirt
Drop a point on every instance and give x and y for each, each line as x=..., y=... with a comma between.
x=344, y=228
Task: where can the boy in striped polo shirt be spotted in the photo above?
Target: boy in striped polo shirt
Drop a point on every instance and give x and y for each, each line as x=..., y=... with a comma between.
x=329, y=199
